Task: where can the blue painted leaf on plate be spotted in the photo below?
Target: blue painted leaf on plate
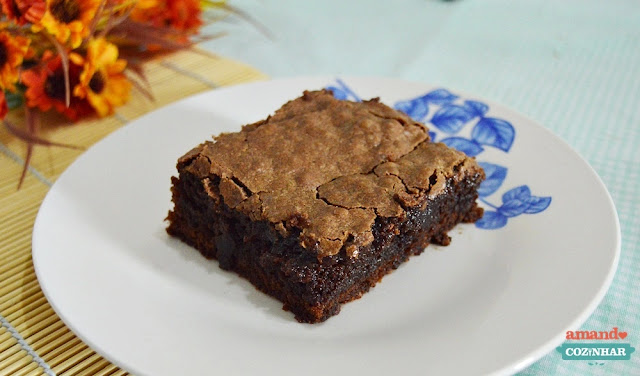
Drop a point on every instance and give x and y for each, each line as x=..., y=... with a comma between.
x=478, y=108
x=494, y=132
x=417, y=109
x=342, y=91
x=513, y=208
x=469, y=147
x=537, y=204
x=522, y=193
x=491, y=220
x=440, y=96
x=495, y=177
x=450, y=118
x=339, y=93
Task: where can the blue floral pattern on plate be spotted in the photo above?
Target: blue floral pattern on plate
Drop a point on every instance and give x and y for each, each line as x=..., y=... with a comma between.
x=343, y=92
x=451, y=114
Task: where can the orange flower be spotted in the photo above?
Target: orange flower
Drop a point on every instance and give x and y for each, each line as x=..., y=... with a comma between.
x=45, y=88
x=68, y=20
x=23, y=11
x=13, y=48
x=102, y=80
x=183, y=15
x=4, y=108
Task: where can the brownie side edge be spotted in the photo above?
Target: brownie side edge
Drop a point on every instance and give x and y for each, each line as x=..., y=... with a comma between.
x=313, y=289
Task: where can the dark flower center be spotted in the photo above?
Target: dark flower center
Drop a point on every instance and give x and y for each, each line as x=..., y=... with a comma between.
x=65, y=11
x=96, y=84
x=28, y=64
x=54, y=86
x=15, y=9
x=4, y=56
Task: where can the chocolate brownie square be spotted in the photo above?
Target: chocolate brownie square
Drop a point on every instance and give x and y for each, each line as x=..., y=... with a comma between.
x=315, y=204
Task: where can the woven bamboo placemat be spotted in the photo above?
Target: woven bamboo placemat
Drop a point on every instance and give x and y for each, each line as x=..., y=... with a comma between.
x=33, y=340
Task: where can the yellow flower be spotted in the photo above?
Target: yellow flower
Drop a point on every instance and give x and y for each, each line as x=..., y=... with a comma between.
x=102, y=80
x=68, y=20
x=13, y=48
x=146, y=5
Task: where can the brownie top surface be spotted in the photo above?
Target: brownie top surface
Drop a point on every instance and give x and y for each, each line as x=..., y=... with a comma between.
x=327, y=167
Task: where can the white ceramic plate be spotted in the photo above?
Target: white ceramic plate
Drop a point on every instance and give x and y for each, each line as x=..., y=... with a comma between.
x=494, y=301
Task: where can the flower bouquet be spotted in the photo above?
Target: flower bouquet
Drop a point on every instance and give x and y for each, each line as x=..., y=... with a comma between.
x=82, y=58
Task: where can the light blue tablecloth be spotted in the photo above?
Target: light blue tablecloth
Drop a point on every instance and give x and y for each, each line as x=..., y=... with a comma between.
x=572, y=65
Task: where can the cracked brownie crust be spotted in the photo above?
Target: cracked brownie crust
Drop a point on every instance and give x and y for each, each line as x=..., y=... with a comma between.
x=317, y=202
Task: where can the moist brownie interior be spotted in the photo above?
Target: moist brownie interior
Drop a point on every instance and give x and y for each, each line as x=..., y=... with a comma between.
x=315, y=204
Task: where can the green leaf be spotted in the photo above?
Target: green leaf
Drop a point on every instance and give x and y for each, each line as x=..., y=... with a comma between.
x=14, y=100
x=213, y=4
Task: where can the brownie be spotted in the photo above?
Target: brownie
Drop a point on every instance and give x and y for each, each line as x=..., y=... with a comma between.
x=315, y=204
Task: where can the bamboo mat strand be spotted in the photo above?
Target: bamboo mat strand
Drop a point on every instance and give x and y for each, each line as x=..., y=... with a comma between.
x=29, y=368
x=18, y=361
x=24, y=349
x=33, y=340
